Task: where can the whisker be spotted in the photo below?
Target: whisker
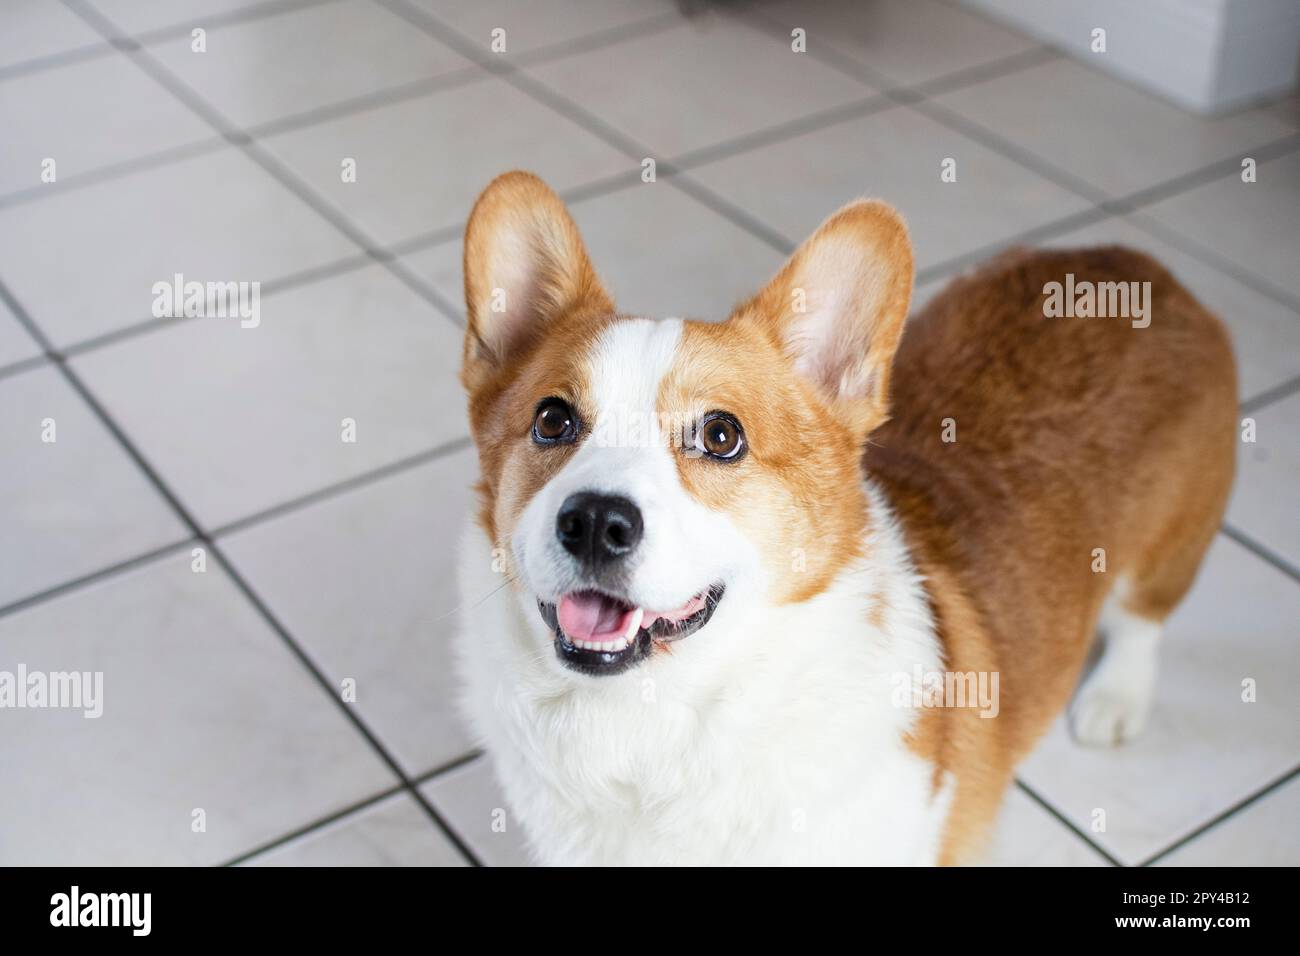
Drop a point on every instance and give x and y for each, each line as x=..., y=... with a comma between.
x=509, y=579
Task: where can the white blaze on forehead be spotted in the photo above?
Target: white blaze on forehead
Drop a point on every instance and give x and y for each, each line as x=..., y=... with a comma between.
x=626, y=366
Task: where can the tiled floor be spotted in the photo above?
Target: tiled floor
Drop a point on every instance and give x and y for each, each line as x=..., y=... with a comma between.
x=270, y=605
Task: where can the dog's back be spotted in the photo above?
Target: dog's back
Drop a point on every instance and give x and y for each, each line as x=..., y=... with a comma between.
x=1051, y=471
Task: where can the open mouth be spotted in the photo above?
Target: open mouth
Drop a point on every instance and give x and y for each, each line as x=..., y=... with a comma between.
x=598, y=633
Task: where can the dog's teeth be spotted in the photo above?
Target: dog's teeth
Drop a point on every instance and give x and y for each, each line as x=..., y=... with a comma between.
x=634, y=625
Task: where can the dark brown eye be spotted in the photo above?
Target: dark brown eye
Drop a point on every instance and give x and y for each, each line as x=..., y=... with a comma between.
x=554, y=423
x=720, y=436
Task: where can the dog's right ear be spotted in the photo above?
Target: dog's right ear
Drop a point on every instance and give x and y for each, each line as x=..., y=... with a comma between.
x=525, y=265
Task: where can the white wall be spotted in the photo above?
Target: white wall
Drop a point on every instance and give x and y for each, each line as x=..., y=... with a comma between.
x=1206, y=55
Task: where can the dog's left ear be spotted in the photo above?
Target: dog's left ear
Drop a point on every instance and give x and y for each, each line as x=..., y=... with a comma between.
x=837, y=309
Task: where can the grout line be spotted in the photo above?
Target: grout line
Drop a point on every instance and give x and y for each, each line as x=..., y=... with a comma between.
x=22, y=365
x=949, y=82
x=1067, y=822
x=827, y=56
x=456, y=763
x=1270, y=395
x=240, y=524
x=94, y=577
x=1211, y=258
x=593, y=124
x=353, y=808
x=257, y=11
x=906, y=93
x=1223, y=816
x=730, y=211
x=445, y=450
x=320, y=823
x=1004, y=147
x=349, y=712
x=1219, y=169
x=1261, y=551
x=39, y=64
x=1048, y=230
x=587, y=43
x=119, y=170
x=270, y=287
x=389, y=96
x=808, y=123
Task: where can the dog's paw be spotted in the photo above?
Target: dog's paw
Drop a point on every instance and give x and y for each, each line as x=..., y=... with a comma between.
x=1109, y=716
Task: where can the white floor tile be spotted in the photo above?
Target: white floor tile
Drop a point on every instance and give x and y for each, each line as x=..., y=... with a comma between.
x=735, y=78
x=85, y=116
x=1255, y=225
x=1268, y=473
x=895, y=155
x=1262, y=834
x=237, y=420
x=203, y=708
x=140, y=16
x=417, y=170
x=56, y=523
x=905, y=41
x=84, y=262
x=38, y=28
x=530, y=26
x=1104, y=131
x=263, y=69
x=1204, y=748
x=367, y=582
x=1287, y=109
x=471, y=802
x=393, y=832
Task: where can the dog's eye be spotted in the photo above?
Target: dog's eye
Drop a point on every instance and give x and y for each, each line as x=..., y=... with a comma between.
x=720, y=436
x=554, y=423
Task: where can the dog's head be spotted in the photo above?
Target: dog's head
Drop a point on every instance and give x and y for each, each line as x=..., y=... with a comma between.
x=643, y=474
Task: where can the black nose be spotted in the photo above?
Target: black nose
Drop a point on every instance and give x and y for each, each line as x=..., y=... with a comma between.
x=598, y=529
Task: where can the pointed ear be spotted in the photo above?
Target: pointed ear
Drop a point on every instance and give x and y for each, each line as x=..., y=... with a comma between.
x=837, y=309
x=525, y=265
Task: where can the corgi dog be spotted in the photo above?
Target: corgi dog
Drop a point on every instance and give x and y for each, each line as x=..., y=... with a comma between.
x=727, y=580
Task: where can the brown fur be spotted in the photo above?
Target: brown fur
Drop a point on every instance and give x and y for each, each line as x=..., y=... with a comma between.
x=796, y=493
x=1072, y=434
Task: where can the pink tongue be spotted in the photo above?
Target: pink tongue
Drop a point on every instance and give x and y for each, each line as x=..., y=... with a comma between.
x=586, y=616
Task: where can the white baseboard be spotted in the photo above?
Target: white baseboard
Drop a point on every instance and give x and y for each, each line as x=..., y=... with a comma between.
x=1208, y=56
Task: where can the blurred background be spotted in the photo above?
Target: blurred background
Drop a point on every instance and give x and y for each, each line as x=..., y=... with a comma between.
x=245, y=522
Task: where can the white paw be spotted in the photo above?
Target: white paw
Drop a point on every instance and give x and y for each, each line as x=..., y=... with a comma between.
x=1108, y=716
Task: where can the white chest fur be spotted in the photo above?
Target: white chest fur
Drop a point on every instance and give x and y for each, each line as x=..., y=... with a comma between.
x=780, y=740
